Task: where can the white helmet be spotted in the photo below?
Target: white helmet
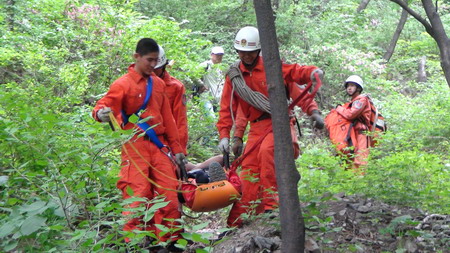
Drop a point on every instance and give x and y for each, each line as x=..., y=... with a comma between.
x=162, y=60
x=217, y=50
x=247, y=39
x=356, y=80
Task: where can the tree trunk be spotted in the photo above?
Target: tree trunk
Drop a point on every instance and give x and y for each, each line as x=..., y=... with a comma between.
x=401, y=23
x=440, y=36
x=422, y=74
x=362, y=5
x=10, y=14
x=292, y=224
x=435, y=29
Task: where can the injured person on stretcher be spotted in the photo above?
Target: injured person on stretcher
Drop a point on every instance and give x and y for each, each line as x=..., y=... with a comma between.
x=208, y=171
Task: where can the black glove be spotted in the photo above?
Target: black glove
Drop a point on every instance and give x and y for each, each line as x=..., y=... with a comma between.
x=317, y=120
x=238, y=145
x=180, y=159
x=224, y=145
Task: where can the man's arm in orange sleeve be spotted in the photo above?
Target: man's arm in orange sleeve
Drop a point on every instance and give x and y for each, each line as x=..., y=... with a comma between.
x=240, y=124
x=171, y=131
x=300, y=74
x=225, y=122
x=113, y=99
x=308, y=106
x=180, y=114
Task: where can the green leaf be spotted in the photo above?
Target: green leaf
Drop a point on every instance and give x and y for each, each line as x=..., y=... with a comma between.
x=200, y=251
x=32, y=224
x=187, y=236
x=12, y=201
x=129, y=191
x=12, y=245
x=148, y=216
x=133, y=119
x=7, y=229
x=32, y=207
x=157, y=206
x=59, y=212
x=100, y=243
x=198, y=238
x=57, y=227
x=200, y=226
x=101, y=205
x=80, y=185
x=181, y=243
x=162, y=228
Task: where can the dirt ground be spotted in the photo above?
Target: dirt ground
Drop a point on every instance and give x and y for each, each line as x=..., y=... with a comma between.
x=344, y=224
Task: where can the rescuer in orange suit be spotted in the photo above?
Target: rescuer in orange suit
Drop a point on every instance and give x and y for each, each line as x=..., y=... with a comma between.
x=241, y=123
x=258, y=169
x=357, y=110
x=142, y=160
x=176, y=93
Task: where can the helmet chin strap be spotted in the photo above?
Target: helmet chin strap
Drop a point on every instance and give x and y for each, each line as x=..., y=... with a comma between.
x=250, y=66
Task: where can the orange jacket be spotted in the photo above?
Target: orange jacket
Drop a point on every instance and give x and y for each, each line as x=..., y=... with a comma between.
x=256, y=80
x=240, y=124
x=358, y=108
x=128, y=93
x=177, y=98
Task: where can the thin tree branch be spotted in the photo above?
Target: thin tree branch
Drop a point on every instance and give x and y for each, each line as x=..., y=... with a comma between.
x=419, y=18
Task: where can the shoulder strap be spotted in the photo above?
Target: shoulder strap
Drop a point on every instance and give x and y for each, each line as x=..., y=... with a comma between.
x=208, y=65
x=144, y=126
x=373, y=109
x=148, y=94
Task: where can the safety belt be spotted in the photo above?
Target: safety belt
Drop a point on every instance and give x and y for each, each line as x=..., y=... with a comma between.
x=144, y=126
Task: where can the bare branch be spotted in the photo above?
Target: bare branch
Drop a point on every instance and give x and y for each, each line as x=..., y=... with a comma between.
x=415, y=15
x=362, y=5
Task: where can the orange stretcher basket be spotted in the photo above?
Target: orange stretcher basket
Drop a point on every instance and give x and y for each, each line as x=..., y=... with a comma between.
x=211, y=196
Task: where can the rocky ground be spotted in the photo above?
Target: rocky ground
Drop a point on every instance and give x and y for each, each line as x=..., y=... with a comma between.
x=342, y=223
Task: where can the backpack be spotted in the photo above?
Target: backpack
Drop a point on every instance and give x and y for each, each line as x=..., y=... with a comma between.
x=340, y=132
x=377, y=124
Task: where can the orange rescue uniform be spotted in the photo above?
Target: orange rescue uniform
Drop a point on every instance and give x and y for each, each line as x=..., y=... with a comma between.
x=358, y=111
x=142, y=159
x=258, y=169
x=176, y=93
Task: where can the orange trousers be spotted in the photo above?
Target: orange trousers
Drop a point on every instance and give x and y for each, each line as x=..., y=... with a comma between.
x=259, y=185
x=361, y=152
x=142, y=160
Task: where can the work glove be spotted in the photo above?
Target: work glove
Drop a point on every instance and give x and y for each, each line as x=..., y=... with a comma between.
x=237, y=147
x=317, y=119
x=180, y=159
x=103, y=114
x=224, y=145
x=319, y=72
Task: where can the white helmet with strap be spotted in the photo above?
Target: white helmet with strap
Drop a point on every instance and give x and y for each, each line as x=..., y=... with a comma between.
x=162, y=60
x=247, y=39
x=356, y=80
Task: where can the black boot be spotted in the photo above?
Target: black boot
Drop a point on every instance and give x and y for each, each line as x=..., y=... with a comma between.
x=216, y=172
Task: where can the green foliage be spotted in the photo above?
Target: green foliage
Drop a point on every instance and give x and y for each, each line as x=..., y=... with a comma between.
x=404, y=169
x=59, y=167
x=216, y=21
x=203, y=137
